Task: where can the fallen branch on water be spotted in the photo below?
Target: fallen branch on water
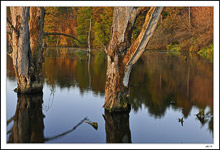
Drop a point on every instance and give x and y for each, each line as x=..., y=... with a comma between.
x=67, y=35
x=62, y=134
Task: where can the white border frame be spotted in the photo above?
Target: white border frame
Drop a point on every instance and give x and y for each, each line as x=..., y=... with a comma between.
x=215, y=4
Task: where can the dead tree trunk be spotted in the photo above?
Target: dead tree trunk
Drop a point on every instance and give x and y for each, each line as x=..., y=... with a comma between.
x=26, y=42
x=36, y=25
x=89, y=33
x=122, y=55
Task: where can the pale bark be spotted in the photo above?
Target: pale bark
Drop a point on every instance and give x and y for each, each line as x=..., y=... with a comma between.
x=89, y=35
x=27, y=53
x=122, y=55
x=21, y=54
x=137, y=49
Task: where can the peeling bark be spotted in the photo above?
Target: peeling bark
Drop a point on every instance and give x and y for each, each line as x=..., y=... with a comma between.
x=116, y=94
x=122, y=55
x=27, y=48
x=21, y=47
x=138, y=47
x=36, y=25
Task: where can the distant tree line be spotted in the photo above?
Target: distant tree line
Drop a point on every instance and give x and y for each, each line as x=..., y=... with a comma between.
x=179, y=28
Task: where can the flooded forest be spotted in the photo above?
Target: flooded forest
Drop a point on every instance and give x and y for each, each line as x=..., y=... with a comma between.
x=109, y=75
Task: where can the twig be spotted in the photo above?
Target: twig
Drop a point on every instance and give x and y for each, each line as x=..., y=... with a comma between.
x=105, y=49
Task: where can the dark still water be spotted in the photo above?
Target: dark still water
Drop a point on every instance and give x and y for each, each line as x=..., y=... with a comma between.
x=167, y=90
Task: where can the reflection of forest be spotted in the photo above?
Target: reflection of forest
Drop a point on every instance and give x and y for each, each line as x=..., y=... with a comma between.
x=71, y=69
x=158, y=80
x=165, y=79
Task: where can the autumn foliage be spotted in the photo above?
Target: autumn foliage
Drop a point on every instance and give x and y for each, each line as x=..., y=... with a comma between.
x=179, y=28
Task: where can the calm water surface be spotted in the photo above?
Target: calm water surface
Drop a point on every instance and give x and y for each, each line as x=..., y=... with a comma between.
x=163, y=88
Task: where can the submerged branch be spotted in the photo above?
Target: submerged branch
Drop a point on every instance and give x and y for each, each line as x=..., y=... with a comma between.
x=62, y=134
x=67, y=35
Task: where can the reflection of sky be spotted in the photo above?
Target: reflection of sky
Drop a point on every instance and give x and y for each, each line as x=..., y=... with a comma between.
x=69, y=107
x=168, y=129
x=71, y=104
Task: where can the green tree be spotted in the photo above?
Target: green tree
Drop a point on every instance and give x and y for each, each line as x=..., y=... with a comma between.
x=102, y=26
x=84, y=14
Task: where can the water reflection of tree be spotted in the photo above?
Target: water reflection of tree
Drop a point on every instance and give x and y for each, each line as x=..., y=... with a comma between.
x=117, y=127
x=28, y=120
x=161, y=87
x=156, y=80
x=28, y=126
x=72, y=70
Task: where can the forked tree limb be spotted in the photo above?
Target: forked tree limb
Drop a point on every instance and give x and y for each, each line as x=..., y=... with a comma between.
x=138, y=47
x=67, y=35
x=140, y=10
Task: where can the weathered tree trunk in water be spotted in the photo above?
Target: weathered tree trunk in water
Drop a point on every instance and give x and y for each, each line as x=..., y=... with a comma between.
x=122, y=55
x=36, y=26
x=27, y=51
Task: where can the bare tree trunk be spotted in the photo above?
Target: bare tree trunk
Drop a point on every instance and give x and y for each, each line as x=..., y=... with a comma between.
x=27, y=47
x=189, y=20
x=21, y=47
x=36, y=25
x=122, y=55
x=89, y=36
